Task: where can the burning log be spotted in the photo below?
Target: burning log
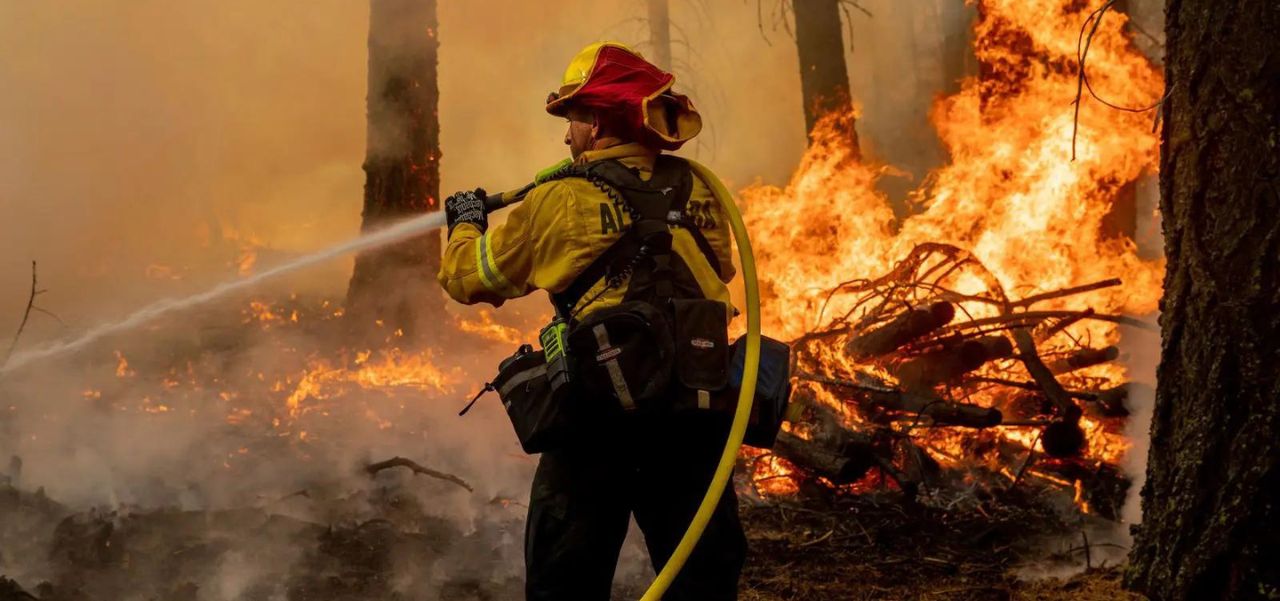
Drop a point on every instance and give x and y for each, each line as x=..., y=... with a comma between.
x=844, y=466
x=1082, y=358
x=844, y=456
x=950, y=363
x=901, y=330
x=939, y=411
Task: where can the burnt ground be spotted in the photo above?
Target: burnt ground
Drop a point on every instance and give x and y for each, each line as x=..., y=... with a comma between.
x=966, y=546
x=878, y=548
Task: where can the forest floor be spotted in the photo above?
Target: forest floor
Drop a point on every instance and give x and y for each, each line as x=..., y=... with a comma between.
x=863, y=547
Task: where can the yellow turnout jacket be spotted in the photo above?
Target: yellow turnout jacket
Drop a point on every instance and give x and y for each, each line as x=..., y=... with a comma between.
x=562, y=226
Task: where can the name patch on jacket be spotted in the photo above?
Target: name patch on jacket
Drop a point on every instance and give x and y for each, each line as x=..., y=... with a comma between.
x=611, y=218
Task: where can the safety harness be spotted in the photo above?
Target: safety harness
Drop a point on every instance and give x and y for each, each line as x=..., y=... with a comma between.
x=665, y=338
x=663, y=348
x=654, y=206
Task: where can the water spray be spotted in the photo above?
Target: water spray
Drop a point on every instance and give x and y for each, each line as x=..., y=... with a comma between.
x=388, y=235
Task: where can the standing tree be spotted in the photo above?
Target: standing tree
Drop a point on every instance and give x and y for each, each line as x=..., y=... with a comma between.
x=1212, y=497
x=660, y=32
x=824, y=77
x=402, y=166
x=955, y=21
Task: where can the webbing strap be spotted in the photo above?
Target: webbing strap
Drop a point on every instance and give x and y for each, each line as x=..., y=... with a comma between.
x=654, y=204
x=620, y=387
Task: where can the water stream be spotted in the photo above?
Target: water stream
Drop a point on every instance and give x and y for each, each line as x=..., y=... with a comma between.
x=389, y=235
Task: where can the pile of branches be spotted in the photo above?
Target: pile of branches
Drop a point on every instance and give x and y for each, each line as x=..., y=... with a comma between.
x=913, y=358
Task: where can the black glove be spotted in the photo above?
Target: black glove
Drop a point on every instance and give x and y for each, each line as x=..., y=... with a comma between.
x=466, y=207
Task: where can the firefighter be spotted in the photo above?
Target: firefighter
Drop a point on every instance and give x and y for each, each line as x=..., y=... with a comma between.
x=621, y=113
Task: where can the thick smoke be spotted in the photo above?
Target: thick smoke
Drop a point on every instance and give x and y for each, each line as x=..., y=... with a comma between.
x=151, y=148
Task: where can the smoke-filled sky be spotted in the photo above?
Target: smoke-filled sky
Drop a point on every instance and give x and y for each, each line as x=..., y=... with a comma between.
x=143, y=142
x=156, y=134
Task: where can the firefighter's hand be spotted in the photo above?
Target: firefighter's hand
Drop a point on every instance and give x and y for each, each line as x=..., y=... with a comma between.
x=466, y=207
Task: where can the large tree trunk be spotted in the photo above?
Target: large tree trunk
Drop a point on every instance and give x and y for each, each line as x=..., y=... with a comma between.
x=1212, y=495
x=395, y=285
x=660, y=32
x=958, y=61
x=824, y=78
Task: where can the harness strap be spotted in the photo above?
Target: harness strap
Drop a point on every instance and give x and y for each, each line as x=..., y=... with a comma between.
x=654, y=205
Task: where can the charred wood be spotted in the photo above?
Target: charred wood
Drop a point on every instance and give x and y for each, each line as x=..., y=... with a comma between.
x=373, y=469
x=842, y=466
x=901, y=330
x=1043, y=377
x=939, y=411
x=1082, y=358
x=950, y=363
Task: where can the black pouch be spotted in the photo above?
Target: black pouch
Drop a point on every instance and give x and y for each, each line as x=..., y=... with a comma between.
x=625, y=353
x=701, y=337
x=540, y=414
x=773, y=389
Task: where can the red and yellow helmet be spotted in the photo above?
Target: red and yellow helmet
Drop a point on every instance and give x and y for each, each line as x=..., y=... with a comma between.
x=610, y=79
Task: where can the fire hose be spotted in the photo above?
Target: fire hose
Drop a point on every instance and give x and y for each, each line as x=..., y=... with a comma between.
x=746, y=393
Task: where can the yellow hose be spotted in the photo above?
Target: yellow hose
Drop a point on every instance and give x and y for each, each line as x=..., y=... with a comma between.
x=747, y=394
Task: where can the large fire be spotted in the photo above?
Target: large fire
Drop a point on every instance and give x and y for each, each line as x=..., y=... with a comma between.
x=1011, y=218
x=1012, y=195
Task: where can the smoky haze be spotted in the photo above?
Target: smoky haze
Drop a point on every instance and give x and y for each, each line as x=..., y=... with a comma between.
x=143, y=143
x=147, y=146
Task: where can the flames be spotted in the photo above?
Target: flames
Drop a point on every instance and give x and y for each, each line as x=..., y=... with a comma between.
x=392, y=368
x=1011, y=195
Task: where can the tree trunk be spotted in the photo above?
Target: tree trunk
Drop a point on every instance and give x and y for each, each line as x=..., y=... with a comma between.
x=824, y=78
x=1212, y=495
x=1122, y=219
x=958, y=61
x=396, y=285
x=660, y=32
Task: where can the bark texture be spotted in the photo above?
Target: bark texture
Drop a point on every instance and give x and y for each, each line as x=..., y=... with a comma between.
x=1210, y=527
x=660, y=32
x=396, y=285
x=824, y=77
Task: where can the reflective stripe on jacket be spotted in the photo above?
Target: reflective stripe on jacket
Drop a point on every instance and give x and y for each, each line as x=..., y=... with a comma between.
x=561, y=227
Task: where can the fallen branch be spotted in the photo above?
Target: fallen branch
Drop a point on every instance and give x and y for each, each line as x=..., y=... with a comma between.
x=1030, y=300
x=1053, y=390
x=26, y=315
x=374, y=468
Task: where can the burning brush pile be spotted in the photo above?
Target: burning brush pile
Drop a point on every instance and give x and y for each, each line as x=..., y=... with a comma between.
x=976, y=339
x=928, y=378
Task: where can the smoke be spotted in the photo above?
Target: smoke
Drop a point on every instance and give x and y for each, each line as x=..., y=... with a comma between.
x=151, y=149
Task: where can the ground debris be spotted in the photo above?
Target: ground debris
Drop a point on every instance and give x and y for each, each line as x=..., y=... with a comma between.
x=871, y=546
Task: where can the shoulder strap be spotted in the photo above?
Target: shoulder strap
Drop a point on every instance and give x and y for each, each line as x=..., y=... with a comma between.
x=653, y=205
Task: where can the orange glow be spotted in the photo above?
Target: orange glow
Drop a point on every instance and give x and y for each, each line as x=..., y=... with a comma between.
x=1011, y=196
x=485, y=327
x=122, y=366
x=391, y=368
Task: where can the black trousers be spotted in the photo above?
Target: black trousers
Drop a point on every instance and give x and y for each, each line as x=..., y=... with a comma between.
x=584, y=494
